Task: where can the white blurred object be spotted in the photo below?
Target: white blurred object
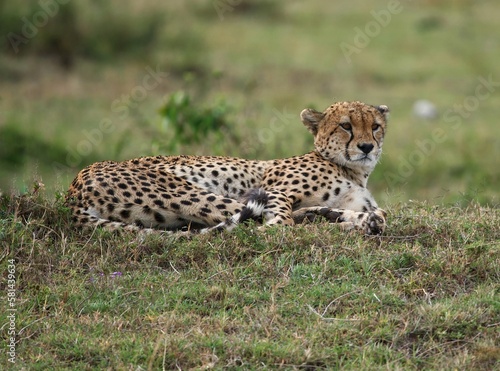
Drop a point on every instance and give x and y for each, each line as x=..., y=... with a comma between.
x=425, y=109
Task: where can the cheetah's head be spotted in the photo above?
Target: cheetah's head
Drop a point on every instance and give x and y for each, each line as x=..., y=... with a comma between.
x=348, y=133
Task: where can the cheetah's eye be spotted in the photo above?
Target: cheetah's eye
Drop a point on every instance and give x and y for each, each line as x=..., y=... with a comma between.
x=346, y=126
x=375, y=127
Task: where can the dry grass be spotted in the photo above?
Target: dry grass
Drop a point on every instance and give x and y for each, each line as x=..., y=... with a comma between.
x=424, y=295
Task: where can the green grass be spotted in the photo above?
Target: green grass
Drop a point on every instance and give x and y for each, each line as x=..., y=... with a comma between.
x=423, y=296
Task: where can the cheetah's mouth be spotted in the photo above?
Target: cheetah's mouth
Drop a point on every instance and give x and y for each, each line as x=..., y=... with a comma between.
x=363, y=158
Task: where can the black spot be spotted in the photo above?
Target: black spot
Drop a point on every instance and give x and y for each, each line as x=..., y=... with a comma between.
x=147, y=210
x=110, y=192
x=186, y=202
x=337, y=191
x=110, y=207
x=159, y=203
x=125, y=214
x=215, y=173
x=326, y=196
x=122, y=186
x=175, y=206
x=138, y=201
x=210, y=198
x=159, y=218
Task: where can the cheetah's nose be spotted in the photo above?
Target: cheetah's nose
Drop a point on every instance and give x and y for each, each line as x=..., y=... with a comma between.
x=365, y=147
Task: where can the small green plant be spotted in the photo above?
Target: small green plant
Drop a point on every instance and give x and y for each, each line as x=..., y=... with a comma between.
x=186, y=123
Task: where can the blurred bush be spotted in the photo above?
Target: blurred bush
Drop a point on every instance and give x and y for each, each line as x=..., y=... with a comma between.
x=91, y=29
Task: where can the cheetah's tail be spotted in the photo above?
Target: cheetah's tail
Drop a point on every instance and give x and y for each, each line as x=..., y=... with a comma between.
x=256, y=201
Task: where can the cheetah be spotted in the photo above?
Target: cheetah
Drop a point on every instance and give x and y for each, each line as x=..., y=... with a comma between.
x=204, y=193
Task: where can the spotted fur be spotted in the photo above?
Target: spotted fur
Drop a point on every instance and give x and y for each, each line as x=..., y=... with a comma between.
x=200, y=192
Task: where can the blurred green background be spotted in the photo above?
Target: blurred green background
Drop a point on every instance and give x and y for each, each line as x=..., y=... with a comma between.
x=82, y=81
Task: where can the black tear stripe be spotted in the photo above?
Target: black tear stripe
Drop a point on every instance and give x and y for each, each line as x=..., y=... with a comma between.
x=375, y=139
x=347, y=146
x=373, y=135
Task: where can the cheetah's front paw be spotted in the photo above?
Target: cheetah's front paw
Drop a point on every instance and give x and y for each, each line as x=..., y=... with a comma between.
x=374, y=224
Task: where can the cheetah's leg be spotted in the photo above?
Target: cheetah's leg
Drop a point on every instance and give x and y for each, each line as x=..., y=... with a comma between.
x=278, y=209
x=252, y=210
x=371, y=222
x=170, y=204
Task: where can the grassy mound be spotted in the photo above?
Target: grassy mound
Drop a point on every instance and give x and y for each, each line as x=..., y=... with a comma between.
x=423, y=296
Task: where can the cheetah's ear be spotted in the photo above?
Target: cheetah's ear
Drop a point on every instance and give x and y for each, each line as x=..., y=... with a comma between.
x=311, y=118
x=384, y=110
